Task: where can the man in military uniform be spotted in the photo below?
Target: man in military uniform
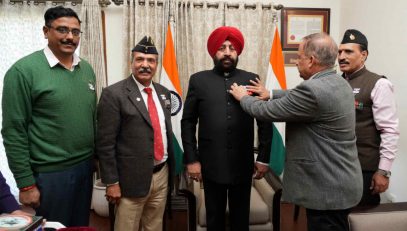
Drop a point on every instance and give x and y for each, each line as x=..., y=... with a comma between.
x=376, y=120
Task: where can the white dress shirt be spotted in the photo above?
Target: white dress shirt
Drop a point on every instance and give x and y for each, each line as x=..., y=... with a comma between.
x=160, y=116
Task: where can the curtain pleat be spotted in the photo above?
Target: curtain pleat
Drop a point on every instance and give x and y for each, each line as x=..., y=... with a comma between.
x=257, y=28
x=147, y=19
x=92, y=47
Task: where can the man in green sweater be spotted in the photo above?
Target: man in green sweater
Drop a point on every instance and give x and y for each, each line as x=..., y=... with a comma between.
x=48, y=128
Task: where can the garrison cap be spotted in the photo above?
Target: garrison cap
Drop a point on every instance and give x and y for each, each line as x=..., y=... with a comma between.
x=146, y=46
x=355, y=36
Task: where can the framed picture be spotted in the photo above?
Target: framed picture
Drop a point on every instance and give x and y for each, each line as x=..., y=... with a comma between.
x=290, y=58
x=297, y=23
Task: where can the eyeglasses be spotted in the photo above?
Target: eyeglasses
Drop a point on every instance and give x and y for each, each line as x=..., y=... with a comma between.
x=65, y=30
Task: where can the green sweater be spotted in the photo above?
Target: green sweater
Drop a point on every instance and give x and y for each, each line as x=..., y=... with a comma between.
x=48, y=116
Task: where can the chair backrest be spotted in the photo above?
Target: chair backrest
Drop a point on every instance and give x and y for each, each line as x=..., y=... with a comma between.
x=264, y=205
x=389, y=217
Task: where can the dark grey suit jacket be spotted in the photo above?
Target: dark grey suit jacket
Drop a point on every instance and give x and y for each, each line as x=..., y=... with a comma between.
x=125, y=137
x=322, y=169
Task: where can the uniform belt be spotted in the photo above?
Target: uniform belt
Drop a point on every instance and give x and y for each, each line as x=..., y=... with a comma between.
x=158, y=167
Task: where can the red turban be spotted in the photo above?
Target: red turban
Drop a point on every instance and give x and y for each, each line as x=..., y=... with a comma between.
x=222, y=34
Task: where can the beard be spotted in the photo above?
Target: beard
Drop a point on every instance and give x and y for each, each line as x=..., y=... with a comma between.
x=226, y=64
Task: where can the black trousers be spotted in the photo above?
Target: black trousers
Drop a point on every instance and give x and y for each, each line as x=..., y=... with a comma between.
x=368, y=198
x=327, y=220
x=216, y=197
x=66, y=195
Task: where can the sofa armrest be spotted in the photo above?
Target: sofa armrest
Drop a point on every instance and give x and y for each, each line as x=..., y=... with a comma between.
x=389, y=217
x=198, y=192
x=275, y=182
x=266, y=192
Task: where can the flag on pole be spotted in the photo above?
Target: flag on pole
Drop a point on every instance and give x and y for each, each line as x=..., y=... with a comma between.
x=169, y=78
x=276, y=80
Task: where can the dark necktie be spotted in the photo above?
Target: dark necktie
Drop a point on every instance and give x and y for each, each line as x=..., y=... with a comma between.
x=158, y=140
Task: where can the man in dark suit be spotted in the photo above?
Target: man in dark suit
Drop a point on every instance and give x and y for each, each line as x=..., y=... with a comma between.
x=223, y=157
x=134, y=144
x=322, y=170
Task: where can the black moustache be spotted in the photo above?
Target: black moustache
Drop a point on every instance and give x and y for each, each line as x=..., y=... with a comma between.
x=144, y=70
x=68, y=43
x=343, y=62
x=227, y=59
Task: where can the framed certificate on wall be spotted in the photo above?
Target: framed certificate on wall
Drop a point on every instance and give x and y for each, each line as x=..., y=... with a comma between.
x=297, y=23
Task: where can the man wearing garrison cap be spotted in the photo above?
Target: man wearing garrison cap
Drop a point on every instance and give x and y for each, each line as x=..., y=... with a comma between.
x=223, y=155
x=134, y=143
x=376, y=117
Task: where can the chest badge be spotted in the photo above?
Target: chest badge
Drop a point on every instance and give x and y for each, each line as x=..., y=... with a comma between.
x=358, y=105
x=356, y=90
x=91, y=86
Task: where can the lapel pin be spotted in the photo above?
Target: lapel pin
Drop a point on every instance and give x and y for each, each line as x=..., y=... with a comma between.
x=138, y=99
x=167, y=103
x=91, y=87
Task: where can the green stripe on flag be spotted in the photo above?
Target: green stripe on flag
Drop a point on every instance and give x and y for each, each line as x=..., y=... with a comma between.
x=277, y=155
x=178, y=154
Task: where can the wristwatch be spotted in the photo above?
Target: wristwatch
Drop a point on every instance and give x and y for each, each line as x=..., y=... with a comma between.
x=384, y=173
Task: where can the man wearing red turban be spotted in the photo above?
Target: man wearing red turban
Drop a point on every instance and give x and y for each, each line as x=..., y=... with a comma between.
x=224, y=159
x=222, y=34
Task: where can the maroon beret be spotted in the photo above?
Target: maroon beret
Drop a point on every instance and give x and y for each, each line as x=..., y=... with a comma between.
x=220, y=35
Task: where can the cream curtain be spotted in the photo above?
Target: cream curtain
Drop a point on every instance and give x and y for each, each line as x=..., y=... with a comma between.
x=256, y=25
x=144, y=19
x=20, y=32
x=92, y=41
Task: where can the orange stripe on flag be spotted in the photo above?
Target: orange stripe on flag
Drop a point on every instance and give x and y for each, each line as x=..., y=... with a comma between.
x=277, y=60
x=170, y=63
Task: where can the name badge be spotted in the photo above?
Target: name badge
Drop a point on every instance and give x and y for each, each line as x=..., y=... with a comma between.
x=356, y=90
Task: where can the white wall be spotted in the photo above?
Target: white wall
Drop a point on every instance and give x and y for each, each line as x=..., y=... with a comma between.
x=385, y=26
x=382, y=22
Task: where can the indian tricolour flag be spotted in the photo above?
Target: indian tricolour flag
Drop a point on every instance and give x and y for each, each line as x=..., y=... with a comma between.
x=276, y=80
x=170, y=79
